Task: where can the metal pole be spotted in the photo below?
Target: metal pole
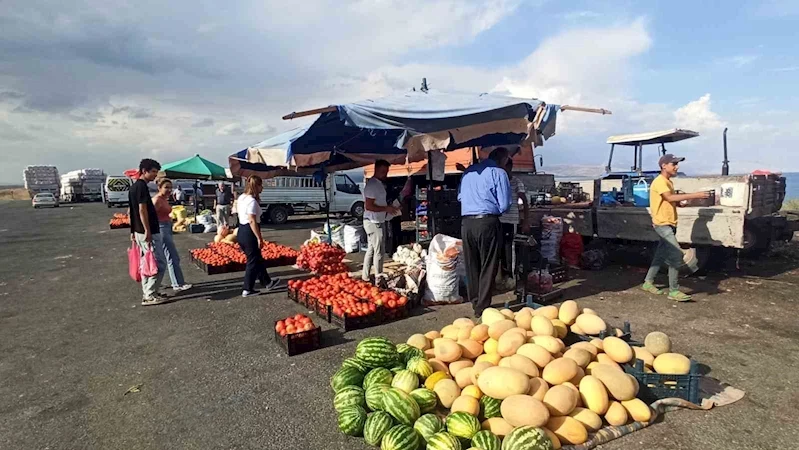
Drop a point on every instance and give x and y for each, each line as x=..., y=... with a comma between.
x=327, y=209
x=725, y=166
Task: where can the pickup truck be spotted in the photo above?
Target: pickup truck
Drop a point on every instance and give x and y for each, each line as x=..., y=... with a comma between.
x=750, y=225
x=286, y=196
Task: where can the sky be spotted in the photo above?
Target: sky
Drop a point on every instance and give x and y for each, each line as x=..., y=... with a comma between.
x=90, y=83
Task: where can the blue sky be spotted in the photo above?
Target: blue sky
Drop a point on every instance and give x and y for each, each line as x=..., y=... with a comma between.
x=90, y=83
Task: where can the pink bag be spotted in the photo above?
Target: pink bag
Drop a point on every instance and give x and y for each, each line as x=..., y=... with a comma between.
x=134, y=262
x=149, y=266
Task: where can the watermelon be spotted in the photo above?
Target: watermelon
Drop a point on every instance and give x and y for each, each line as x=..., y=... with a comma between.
x=377, y=424
x=380, y=375
x=428, y=425
x=406, y=381
x=351, y=420
x=401, y=406
x=374, y=396
x=425, y=398
x=527, y=438
x=346, y=376
x=420, y=367
x=486, y=440
x=397, y=369
x=443, y=441
x=401, y=437
x=355, y=363
x=463, y=425
x=407, y=353
x=377, y=352
x=349, y=396
x=489, y=407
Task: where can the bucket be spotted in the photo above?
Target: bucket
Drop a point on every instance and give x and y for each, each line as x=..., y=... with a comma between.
x=641, y=193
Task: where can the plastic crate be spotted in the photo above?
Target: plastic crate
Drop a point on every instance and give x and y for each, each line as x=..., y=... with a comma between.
x=348, y=323
x=655, y=386
x=210, y=270
x=302, y=342
x=391, y=315
x=626, y=336
x=292, y=294
x=237, y=267
x=560, y=274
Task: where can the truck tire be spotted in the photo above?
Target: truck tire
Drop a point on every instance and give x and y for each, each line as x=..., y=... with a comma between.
x=278, y=215
x=756, y=241
x=357, y=210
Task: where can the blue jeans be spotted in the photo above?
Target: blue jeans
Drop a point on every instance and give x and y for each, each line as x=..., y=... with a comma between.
x=171, y=254
x=669, y=253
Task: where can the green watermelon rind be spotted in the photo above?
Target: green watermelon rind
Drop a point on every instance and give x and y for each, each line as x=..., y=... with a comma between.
x=490, y=407
x=420, y=367
x=401, y=437
x=374, y=396
x=402, y=407
x=349, y=396
x=443, y=441
x=377, y=352
x=408, y=353
x=346, y=376
x=425, y=398
x=462, y=424
x=527, y=438
x=486, y=440
x=428, y=425
x=351, y=420
x=406, y=381
x=355, y=363
x=378, y=375
x=377, y=425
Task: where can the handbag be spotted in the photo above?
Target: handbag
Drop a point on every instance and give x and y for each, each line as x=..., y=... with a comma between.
x=149, y=265
x=134, y=262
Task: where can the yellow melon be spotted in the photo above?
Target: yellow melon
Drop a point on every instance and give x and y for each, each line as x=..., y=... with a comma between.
x=560, y=400
x=590, y=324
x=470, y=349
x=491, y=315
x=536, y=353
x=450, y=332
x=472, y=391
x=561, y=329
x=447, y=391
x=559, y=371
x=616, y=414
x=593, y=394
x=590, y=348
x=617, y=383
x=467, y=404
x=524, y=410
x=521, y=363
x=509, y=343
x=644, y=355
x=581, y=356
x=538, y=388
x=434, y=378
x=496, y=329
x=551, y=344
x=568, y=430
x=498, y=426
x=523, y=319
x=457, y=366
x=432, y=335
x=478, y=368
x=617, y=349
x=463, y=322
x=541, y=326
x=550, y=312
x=492, y=358
x=438, y=365
x=502, y=382
x=464, y=377
x=490, y=346
x=568, y=312
x=418, y=341
x=672, y=364
x=657, y=343
x=637, y=410
x=447, y=350
x=507, y=313
x=479, y=333
x=556, y=445
x=590, y=420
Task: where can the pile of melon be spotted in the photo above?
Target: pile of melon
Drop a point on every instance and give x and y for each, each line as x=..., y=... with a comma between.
x=509, y=381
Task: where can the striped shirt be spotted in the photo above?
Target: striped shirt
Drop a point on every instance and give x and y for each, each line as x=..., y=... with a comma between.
x=512, y=214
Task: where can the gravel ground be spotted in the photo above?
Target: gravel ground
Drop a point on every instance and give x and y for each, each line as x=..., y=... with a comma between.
x=74, y=339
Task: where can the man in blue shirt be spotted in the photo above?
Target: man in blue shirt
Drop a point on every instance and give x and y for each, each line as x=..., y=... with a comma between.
x=485, y=194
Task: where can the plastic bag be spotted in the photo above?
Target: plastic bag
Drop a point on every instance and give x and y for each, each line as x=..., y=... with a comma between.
x=551, y=232
x=352, y=238
x=571, y=248
x=149, y=266
x=444, y=262
x=134, y=262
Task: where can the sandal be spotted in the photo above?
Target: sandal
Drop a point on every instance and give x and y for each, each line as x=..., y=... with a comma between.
x=651, y=288
x=679, y=296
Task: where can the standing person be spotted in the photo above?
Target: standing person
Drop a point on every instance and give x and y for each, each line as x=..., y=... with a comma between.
x=374, y=218
x=485, y=194
x=222, y=204
x=663, y=205
x=511, y=221
x=250, y=240
x=144, y=229
x=179, y=195
x=162, y=209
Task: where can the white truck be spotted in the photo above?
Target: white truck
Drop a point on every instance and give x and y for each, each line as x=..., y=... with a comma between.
x=286, y=196
x=41, y=179
x=116, y=190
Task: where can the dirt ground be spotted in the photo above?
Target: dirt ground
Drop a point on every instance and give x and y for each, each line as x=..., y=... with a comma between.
x=74, y=339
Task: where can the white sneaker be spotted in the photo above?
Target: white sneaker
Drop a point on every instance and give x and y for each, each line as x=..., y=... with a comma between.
x=253, y=293
x=185, y=287
x=154, y=300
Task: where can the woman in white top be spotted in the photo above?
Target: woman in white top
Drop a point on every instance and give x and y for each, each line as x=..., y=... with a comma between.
x=249, y=237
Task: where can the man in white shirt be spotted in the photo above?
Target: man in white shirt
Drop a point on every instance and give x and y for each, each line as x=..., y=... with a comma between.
x=374, y=218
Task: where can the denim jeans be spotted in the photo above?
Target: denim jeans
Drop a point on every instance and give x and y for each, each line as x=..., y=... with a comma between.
x=669, y=253
x=171, y=255
x=150, y=285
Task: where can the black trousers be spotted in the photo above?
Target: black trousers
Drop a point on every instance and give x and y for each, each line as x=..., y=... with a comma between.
x=482, y=239
x=508, y=230
x=256, y=266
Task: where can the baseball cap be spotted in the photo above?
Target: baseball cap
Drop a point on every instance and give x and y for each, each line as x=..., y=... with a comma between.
x=669, y=158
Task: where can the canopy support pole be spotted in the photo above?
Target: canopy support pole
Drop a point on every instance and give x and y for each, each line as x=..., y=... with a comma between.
x=327, y=211
x=327, y=109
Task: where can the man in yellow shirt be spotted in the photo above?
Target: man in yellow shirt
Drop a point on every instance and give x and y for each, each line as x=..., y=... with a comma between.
x=663, y=207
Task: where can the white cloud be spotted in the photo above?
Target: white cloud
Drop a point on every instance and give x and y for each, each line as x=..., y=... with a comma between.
x=698, y=116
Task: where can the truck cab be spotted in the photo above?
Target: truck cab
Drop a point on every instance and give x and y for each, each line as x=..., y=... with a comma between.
x=116, y=190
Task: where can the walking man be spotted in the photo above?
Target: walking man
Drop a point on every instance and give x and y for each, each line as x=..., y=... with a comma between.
x=485, y=194
x=374, y=218
x=144, y=229
x=663, y=205
x=222, y=204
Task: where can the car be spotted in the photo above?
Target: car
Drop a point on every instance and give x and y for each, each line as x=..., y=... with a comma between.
x=44, y=199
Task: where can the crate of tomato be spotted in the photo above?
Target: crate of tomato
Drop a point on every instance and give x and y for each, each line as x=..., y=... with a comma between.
x=209, y=261
x=298, y=334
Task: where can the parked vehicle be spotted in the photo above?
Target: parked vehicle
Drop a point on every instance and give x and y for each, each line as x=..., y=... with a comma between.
x=286, y=196
x=746, y=217
x=43, y=200
x=41, y=179
x=116, y=190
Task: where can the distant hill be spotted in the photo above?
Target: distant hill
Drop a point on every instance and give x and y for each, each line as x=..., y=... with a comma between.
x=574, y=171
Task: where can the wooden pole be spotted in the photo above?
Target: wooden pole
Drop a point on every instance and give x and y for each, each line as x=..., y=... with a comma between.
x=309, y=112
x=584, y=109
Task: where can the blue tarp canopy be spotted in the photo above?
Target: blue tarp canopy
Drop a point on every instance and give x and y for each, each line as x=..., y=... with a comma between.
x=398, y=128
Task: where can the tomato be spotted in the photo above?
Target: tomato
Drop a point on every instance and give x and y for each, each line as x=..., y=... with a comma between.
x=392, y=304
x=290, y=329
x=402, y=301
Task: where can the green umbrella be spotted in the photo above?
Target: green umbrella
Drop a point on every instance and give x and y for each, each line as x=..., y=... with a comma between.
x=196, y=167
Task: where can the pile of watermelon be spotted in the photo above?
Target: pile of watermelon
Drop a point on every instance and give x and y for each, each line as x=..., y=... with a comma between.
x=385, y=394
